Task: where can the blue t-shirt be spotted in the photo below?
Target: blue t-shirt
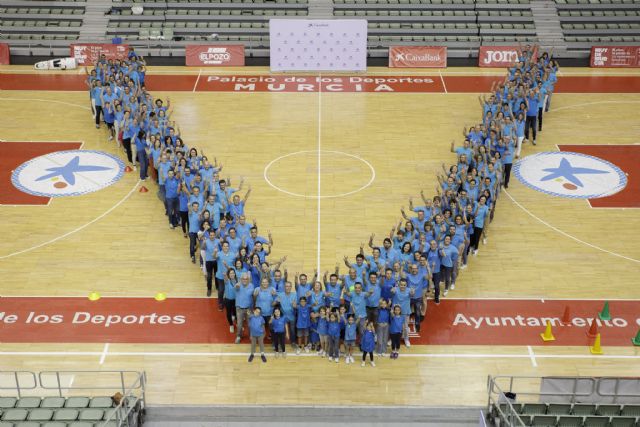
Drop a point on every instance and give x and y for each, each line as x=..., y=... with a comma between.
x=264, y=299
x=396, y=324
x=194, y=221
x=304, y=317
x=383, y=315
x=359, y=304
x=244, y=296
x=256, y=326
x=286, y=305
x=277, y=324
x=403, y=299
x=350, y=331
x=322, y=326
x=368, y=341
x=223, y=258
x=333, y=329
x=171, y=187
x=482, y=211
x=449, y=255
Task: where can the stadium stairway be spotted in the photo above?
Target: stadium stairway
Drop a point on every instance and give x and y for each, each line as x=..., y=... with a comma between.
x=300, y=416
x=320, y=9
x=548, y=27
x=94, y=25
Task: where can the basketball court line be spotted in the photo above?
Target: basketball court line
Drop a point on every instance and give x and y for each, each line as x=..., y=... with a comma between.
x=532, y=356
x=74, y=231
x=543, y=222
x=319, y=193
x=197, y=80
x=48, y=100
x=526, y=355
x=444, y=86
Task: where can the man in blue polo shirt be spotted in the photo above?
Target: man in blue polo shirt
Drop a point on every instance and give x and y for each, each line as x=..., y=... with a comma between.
x=533, y=101
x=171, y=185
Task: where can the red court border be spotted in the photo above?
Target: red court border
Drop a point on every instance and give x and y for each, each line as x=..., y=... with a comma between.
x=195, y=83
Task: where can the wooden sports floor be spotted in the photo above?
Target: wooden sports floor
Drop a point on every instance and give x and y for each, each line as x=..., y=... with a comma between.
x=116, y=241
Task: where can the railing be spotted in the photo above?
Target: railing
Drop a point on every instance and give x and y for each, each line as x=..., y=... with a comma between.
x=16, y=376
x=131, y=384
x=502, y=391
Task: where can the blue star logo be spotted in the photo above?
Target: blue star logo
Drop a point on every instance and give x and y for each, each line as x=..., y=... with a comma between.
x=68, y=171
x=568, y=172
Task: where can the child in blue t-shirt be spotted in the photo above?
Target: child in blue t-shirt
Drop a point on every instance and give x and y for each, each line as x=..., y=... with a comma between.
x=314, y=337
x=368, y=343
x=280, y=329
x=256, y=332
x=333, y=333
x=303, y=323
x=349, y=338
x=382, y=328
x=396, y=327
x=322, y=332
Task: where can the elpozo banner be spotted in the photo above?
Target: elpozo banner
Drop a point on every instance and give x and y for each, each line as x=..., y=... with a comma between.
x=214, y=55
x=89, y=53
x=615, y=56
x=417, y=56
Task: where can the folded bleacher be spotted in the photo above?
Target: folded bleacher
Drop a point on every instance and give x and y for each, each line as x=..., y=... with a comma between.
x=588, y=22
x=40, y=20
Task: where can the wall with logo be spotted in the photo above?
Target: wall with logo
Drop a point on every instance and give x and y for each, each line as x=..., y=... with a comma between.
x=214, y=55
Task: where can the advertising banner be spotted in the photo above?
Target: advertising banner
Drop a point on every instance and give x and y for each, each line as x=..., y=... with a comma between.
x=615, y=56
x=4, y=54
x=214, y=55
x=417, y=56
x=89, y=53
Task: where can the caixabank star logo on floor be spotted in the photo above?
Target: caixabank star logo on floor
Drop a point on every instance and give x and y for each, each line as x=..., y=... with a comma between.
x=603, y=174
x=31, y=173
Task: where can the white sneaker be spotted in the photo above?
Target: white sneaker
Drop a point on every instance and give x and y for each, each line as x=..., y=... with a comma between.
x=445, y=292
x=306, y=349
x=331, y=359
x=463, y=266
x=284, y=354
x=298, y=350
x=475, y=252
x=484, y=240
x=346, y=360
x=319, y=352
x=323, y=354
x=363, y=364
x=407, y=343
x=373, y=363
x=351, y=359
x=383, y=355
x=453, y=286
x=232, y=329
x=337, y=360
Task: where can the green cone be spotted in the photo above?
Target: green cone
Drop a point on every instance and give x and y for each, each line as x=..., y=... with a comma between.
x=604, y=314
x=636, y=340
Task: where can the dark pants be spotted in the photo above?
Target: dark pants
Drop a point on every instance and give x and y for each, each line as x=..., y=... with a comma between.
x=211, y=271
x=395, y=341
x=364, y=355
x=144, y=163
x=184, y=220
x=220, y=288
x=172, y=210
x=475, y=237
x=507, y=174
x=162, y=197
x=98, y=113
x=230, y=308
x=436, y=285
x=530, y=124
x=126, y=143
x=540, y=110
x=278, y=342
x=446, y=273
x=416, y=305
x=193, y=238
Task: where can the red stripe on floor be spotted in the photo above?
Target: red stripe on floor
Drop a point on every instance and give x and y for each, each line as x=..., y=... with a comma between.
x=197, y=320
x=306, y=83
x=12, y=155
x=627, y=158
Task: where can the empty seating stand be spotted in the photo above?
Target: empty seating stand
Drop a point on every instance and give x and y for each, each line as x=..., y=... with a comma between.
x=40, y=22
x=56, y=412
x=458, y=24
x=231, y=20
x=575, y=415
x=587, y=22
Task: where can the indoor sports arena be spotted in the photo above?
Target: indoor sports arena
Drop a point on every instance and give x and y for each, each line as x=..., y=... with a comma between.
x=319, y=212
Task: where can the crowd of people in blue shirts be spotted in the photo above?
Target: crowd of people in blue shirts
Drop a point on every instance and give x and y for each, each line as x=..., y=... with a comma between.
x=381, y=294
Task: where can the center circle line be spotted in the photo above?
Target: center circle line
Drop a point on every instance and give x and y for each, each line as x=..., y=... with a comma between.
x=319, y=196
